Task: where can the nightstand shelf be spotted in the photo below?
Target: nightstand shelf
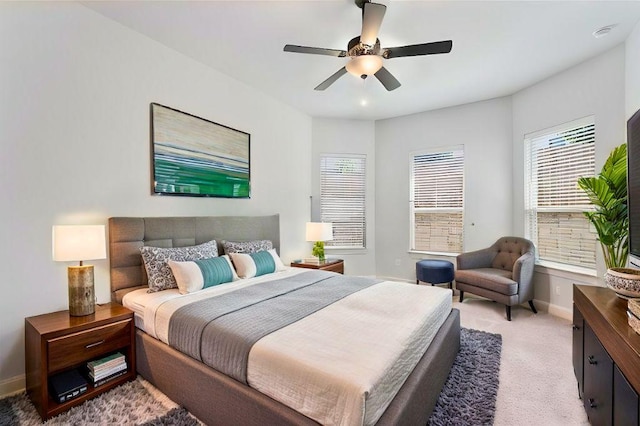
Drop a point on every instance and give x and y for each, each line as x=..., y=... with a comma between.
x=333, y=265
x=58, y=342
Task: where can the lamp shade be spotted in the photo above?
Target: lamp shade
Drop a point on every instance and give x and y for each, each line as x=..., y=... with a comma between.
x=364, y=65
x=79, y=242
x=319, y=231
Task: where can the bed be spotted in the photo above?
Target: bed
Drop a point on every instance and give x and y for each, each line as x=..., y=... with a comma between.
x=217, y=398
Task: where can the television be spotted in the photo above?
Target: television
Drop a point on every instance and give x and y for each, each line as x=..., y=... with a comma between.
x=633, y=188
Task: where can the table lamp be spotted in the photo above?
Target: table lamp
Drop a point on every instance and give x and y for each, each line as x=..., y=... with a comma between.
x=319, y=232
x=79, y=243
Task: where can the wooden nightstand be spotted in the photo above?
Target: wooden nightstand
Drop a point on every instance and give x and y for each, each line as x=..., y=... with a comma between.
x=58, y=342
x=333, y=265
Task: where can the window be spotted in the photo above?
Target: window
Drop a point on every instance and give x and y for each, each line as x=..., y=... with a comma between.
x=342, y=198
x=554, y=204
x=437, y=200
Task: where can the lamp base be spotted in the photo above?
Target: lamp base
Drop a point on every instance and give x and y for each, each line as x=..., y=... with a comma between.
x=81, y=291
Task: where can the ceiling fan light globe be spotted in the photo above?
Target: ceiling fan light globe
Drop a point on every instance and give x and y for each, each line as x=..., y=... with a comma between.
x=364, y=65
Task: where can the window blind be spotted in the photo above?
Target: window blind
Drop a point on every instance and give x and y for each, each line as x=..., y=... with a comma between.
x=437, y=200
x=554, y=160
x=342, y=198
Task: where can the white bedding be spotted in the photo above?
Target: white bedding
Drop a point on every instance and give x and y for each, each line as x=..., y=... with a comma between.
x=339, y=366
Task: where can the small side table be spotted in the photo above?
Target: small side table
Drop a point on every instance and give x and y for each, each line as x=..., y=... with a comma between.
x=333, y=265
x=58, y=342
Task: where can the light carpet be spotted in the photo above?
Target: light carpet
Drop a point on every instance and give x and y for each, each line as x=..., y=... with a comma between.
x=537, y=383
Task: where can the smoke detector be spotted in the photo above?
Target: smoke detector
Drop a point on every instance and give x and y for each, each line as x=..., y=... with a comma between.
x=601, y=32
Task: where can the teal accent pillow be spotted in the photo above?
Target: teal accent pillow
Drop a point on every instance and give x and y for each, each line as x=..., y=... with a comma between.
x=258, y=263
x=215, y=271
x=264, y=262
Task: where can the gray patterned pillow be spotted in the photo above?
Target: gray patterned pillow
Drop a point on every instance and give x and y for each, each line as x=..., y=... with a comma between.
x=156, y=262
x=246, y=246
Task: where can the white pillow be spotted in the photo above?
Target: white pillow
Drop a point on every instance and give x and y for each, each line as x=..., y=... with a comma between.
x=255, y=264
x=198, y=274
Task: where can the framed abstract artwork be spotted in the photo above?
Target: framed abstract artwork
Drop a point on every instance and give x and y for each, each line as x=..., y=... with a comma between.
x=195, y=157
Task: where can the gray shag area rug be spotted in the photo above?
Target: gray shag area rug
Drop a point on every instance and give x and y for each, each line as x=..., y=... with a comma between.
x=133, y=403
x=468, y=396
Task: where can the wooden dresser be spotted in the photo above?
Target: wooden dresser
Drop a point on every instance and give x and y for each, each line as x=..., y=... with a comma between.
x=606, y=357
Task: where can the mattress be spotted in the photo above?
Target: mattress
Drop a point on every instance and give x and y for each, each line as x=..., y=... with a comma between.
x=341, y=365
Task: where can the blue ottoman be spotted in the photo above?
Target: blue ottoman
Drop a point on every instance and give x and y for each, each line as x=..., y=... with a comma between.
x=434, y=272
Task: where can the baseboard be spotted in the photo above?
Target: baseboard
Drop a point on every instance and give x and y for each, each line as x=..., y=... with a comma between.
x=555, y=310
x=402, y=280
x=12, y=386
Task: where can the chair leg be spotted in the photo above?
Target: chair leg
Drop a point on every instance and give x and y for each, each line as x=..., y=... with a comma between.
x=533, y=308
x=461, y=295
x=508, y=313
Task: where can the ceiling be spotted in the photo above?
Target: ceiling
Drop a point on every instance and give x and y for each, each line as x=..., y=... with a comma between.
x=499, y=47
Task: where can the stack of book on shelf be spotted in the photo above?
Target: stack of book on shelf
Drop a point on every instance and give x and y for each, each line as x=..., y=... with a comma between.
x=106, y=369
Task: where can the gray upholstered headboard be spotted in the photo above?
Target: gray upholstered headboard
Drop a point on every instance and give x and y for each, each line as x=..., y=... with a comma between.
x=128, y=234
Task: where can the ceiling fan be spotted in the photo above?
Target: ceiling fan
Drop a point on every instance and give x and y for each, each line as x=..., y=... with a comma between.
x=365, y=51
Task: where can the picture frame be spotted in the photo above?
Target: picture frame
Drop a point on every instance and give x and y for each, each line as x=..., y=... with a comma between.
x=195, y=157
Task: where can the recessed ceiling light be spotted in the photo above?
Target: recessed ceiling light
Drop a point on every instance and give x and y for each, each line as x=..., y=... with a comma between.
x=363, y=102
x=601, y=32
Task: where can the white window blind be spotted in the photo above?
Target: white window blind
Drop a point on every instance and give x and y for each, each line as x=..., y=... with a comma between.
x=437, y=194
x=342, y=198
x=554, y=204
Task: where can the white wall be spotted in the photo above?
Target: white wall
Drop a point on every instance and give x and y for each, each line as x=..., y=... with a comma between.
x=74, y=147
x=632, y=72
x=348, y=137
x=595, y=87
x=484, y=128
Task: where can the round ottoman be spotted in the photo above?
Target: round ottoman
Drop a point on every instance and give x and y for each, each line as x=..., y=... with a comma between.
x=434, y=272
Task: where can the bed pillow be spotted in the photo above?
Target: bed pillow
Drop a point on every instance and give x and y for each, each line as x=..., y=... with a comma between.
x=249, y=265
x=246, y=246
x=198, y=274
x=155, y=262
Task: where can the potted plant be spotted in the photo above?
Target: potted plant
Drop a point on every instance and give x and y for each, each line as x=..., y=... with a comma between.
x=608, y=193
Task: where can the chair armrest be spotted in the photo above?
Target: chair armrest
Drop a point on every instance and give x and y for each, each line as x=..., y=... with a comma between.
x=476, y=259
x=523, y=274
x=523, y=268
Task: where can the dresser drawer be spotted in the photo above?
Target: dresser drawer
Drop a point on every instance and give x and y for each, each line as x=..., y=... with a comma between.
x=74, y=349
x=598, y=380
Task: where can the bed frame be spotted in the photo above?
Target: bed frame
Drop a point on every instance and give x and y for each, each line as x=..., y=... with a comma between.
x=213, y=397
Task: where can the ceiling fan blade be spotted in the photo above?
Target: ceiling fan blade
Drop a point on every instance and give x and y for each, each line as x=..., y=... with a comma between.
x=315, y=50
x=372, y=14
x=328, y=82
x=418, y=49
x=387, y=79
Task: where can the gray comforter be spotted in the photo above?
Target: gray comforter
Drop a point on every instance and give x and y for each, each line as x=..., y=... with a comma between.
x=220, y=331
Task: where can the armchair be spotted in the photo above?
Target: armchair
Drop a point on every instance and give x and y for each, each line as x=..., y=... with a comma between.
x=502, y=272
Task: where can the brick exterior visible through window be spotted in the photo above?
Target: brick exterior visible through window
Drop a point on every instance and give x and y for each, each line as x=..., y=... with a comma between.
x=554, y=204
x=437, y=194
